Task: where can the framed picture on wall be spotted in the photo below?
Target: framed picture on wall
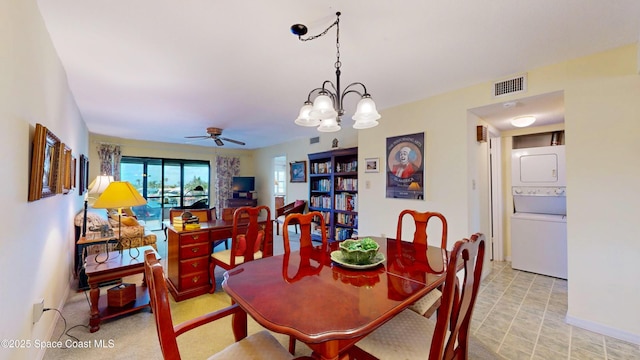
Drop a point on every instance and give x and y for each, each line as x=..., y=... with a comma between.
x=44, y=164
x=372, y=165
x=83, y=174
x=298, y=171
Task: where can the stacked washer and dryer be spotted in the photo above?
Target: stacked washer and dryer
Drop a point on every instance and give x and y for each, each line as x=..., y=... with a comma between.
x=539, y=221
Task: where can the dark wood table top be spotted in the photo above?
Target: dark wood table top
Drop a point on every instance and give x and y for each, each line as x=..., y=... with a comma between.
x=306, y=295
x=116, y=261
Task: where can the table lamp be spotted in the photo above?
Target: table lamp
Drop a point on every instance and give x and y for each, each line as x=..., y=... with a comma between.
x=118, y=195
x=97, y=187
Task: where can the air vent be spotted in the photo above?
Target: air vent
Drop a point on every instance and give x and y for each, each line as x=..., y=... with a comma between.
x=510, y=86
x=314, y=140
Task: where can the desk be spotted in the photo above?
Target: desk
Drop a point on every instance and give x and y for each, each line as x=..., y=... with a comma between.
x=118, y=266
x=329, y=307
x=189, y=253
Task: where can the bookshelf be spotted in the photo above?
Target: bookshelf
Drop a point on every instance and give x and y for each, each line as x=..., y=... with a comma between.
x=333, y=190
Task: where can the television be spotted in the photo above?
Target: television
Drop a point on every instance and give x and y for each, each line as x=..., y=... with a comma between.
x=243, y=184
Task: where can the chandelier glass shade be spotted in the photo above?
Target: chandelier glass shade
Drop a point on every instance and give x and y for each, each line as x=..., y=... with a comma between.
x=326, y=109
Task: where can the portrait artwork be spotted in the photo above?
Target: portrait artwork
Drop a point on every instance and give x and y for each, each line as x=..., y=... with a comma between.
x=405, y=166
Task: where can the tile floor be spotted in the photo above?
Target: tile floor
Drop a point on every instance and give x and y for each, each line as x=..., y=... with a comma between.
x=521, y=315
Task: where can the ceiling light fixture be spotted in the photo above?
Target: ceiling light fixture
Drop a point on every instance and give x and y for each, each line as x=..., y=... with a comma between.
x=523, y=121
x=326, y=110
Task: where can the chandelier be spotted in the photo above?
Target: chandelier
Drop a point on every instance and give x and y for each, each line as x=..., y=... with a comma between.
x=326, y=110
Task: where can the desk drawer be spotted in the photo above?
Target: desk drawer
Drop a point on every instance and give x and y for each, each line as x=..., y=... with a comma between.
x=194, y=280
x=194, y=237
x=221, y=234
x=194, y=265
x=194, y=250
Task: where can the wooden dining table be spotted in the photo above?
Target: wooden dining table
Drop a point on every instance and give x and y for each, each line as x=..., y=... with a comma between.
x=329, y=306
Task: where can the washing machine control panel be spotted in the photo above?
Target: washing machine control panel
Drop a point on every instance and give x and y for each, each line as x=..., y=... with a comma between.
x=539, y=191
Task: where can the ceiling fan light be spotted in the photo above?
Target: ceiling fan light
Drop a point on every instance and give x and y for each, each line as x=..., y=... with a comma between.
x=329, y=125
x=304, y=118
x=323, y=108
x=523, y=121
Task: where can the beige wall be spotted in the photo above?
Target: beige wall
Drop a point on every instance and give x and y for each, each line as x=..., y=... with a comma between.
x=37, y=243
x=602, y=113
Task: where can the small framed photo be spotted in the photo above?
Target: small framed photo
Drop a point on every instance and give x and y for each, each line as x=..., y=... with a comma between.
x=298, y=171
x=372, y=165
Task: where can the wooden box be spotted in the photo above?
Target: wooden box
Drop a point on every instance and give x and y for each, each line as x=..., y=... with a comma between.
x=121, y=295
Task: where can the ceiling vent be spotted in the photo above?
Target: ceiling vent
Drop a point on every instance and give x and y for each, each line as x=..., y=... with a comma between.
x=314, y=140
x=510, y=86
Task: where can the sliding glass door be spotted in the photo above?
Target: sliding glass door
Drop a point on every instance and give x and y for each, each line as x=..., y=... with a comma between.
x=166, y=184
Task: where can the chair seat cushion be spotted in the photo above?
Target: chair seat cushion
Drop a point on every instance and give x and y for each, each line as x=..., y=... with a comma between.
x=225, y=257
x=406, y=336
x=261, y=345
x=426, y=302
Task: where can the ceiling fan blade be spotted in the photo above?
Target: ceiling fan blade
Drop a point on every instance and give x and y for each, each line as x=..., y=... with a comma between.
x=196, y=140
x=198, y=137
x=218, y=141
x=233, y=141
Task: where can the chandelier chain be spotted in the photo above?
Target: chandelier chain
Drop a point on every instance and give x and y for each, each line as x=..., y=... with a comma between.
x=338, y=64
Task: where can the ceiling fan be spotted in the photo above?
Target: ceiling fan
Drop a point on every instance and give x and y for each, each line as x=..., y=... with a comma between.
x=214, y=133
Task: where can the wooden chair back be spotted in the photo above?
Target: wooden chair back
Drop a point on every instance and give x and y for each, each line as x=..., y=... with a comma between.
x=161, y=308
x=451, y=336
x=421, y=220
x=306, y=222
x=250, y=217
x=296, y=207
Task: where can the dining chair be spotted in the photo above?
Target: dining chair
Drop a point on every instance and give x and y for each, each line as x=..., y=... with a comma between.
x=254, y=243
x=261, y=345
x=306, y=222
x=429, y=303
x=409, y=335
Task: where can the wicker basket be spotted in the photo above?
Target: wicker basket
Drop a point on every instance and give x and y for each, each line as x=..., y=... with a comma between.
x=121, y=295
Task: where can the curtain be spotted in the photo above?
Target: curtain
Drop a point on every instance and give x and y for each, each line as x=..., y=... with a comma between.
x=117, y=156
x=110, y=156
x=226, y=169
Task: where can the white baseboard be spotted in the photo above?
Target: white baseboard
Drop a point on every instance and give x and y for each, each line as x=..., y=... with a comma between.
x=603, y=329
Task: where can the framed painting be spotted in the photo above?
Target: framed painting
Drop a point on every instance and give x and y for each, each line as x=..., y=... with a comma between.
x=65, y=169
x=372, y=165
x=83, y=174
x=298, y=171
x=45, y=157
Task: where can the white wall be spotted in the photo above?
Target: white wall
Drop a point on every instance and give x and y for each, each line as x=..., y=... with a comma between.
x=36, y=249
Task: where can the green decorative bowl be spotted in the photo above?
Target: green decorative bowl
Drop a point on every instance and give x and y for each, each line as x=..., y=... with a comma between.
x=359, y=252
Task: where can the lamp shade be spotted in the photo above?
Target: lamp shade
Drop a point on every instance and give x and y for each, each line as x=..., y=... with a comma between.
x=119, y=194
x=323, y=108
x=329, y=125
x=99, y=184
x=366, y=110
x=304, y=118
